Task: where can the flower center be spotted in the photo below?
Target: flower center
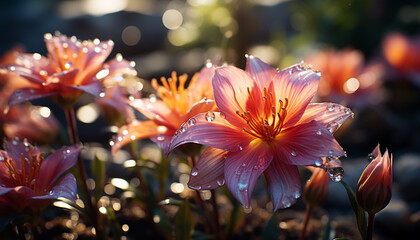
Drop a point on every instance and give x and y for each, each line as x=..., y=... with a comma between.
x=176, y=97
x=28, y=172
x=265, y=120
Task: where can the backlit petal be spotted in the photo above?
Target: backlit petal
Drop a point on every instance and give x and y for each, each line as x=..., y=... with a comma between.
x=157, y=110
x=306, y=143
x=66, y=188
x=28, y=94
x=330, y=115
x=208, y=173
x=213, y=130
x=55, y=165
x=260, y=71
x=283, y=183
x=135, y=131
x=243, y=168
x=298, y=86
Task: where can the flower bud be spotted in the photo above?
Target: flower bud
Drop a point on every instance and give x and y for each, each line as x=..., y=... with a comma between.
x=374, y=189
x=316, y=187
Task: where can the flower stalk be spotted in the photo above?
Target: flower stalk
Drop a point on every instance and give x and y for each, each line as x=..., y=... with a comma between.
x=305, y=221
x=371, y=221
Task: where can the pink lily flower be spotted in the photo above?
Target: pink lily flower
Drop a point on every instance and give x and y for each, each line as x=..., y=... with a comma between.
x=169, y=113
x=266, y=125
x=26, y=179
x=71, y=68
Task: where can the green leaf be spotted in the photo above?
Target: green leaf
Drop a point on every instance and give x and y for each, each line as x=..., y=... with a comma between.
x=184, y=222
x=98, y=172
x=359, y=213
x=271, y=229
x=328, y=231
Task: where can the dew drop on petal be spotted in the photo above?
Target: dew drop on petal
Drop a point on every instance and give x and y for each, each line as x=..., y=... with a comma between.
x=370, y=157
x=119, y=139
x=125, y=132
x=160, y=137
x=293, y=154
x=240, y=148
x=319, y=132
x=111, y=142
x=102, y=94
x=194, y=172
x=133, y=137
x=296, y=194
x=347, y=111
x=318, y=162
x=51, y=192
x=336, y=174
x=210, y=116
x=183, y=127
x=192, y=121
x=330, y=107
x=221, y=182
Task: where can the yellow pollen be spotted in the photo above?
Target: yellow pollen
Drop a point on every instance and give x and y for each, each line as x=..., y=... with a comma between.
x=28, y=172
x=266, y=122
x=176, y=97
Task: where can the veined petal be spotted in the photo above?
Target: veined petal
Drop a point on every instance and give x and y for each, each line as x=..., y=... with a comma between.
x=27, y=94
x=299, y=86
x=260, y=71
x=305, y=144
x=283, y=183
x=231, y=86
x=213, y=130
x=330, y=115
x=55, y=165
x=15, y=149
x=208, y=173
x=64, y=78
x=66, y=188
x=158, y=111
x=202, y=86
x=94, y=87
x=135, y=131
x=243, y=168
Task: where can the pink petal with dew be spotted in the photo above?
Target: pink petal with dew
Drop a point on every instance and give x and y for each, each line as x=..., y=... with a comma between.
x=260, y=71
x=201, y=107
x=28, y=94
x=157, y=110
x=94, y=58
x=208, y=173
x=65, y=78
x=15, y=149
x=66, y=188
x=330, y=115
x=283, y=183
x=213, y=130
x=243, y=168
x=306, y=144
x=135, y=131
x=203, y=84
x=230, y=86
x=55, y=165
x=31, y=73
x=163, y=140
x=298, y=86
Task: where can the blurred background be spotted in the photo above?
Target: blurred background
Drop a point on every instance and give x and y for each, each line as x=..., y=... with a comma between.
x=365, y=49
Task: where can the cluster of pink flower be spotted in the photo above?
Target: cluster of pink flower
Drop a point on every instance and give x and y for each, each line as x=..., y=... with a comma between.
x=253, y=122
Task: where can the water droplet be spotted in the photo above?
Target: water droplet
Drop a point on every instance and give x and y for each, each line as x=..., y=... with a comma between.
x=243, y=187
x=347, y=110
x=293, y=154
x=160, y=137
x=183, y=127
x=195, y=187
x=14, y=142
x=111, y=142
x=220, y=182
x=102, y=94
x=18, y=92
x=286, y=204
x=318, y=162
x=119, y=139
x=192, y=121
x=12, y=68
x=125, y=132
x=336, y=174
x=240, y=148
x=133, y=137
x=331, y=107
x=51, y=192
x=210, y=116
x=371, y=157
x=243, y=165
x=194, y=172
x=296, y=194
x=68, y=65
x=319, y=132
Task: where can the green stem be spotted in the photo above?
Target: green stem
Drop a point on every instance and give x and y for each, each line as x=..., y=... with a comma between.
x=305, y=221
x=371, y=221
x=216, y=223
x=74, y=140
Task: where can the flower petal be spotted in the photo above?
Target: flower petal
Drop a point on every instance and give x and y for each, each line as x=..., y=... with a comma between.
x=4, y=190
x=27, y=94
x=201, y=107
x=134, y=131
x=94, y=87
x=202, y=86
x=283, y=183
x=306, y=144
x=330, y=115
x=16, y=148
x=299, y=86
x=55, y=165
x=158, y=111
x=66, y=188
x=243, y=168
x=208, y=173
x=213, y=130
x=260, y=71
x=231, y=86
